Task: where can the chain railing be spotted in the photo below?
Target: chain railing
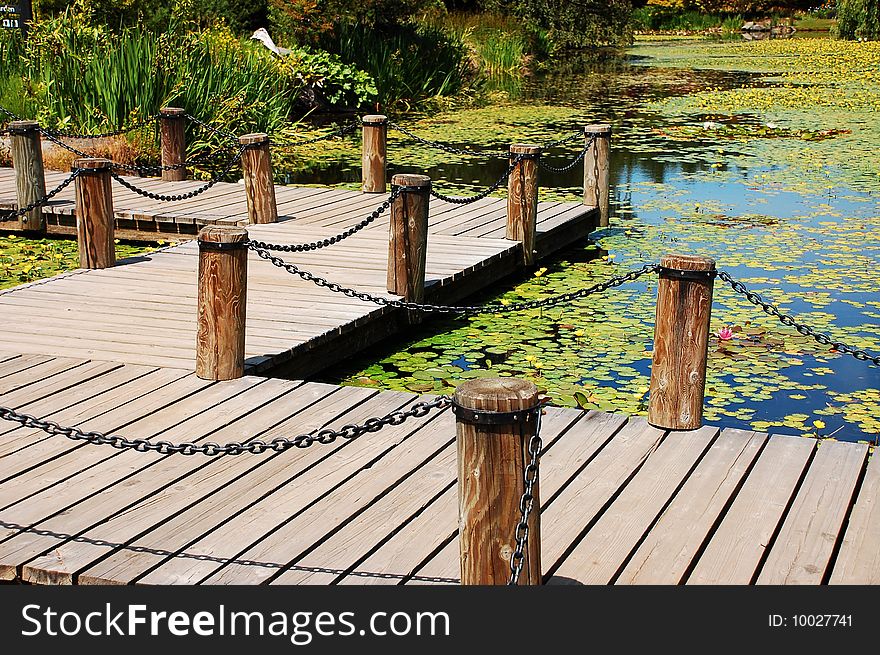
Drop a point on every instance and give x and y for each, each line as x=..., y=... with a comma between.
x=485, y=193
x=786, y=319
x=40, y=202
x=573, y=163
x=526, y=504
x=498, y=308
x=335, y=134
x=324, y=436
x=329, y=241
x=443, y=146
x=183, y=196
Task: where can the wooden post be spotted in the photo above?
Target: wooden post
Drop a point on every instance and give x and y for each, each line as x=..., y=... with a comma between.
x=522, y=200
x=408, y=237
x=373, y=158
x=30, y=181
x=681, y=337
x=95, y=223
x=171, y=126
x=597, y=170
x=491, y=464
x=259, y=184
x=222, y=302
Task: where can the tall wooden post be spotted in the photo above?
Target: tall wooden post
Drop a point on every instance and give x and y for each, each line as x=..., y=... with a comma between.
x=222, y=302
x=597, y=170
x=681, y=338
x=373, y=158
x=408, y=237
x=259, y=185
x=522, y=199
x=95, y=223
x=171, y=129
x=493, y=452
x=30, y=181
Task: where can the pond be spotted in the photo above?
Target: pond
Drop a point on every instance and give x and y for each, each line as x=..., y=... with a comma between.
x=760, y=155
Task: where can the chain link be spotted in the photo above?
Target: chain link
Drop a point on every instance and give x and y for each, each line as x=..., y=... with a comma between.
x=183, y=196
x=40, y=202
x=787, y=319
x=526, y=504
x=573, y=163
x=214, y=130
x=563, y=141
x=255, y=446
x=457, y=200
x=315, y=245
x=443, y=146
x=293, y=269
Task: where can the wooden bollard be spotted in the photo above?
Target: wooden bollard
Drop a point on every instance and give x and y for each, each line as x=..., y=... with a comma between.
x=95, y=223
x=259, y=184
x=30, y=180
x=222, y=302
x=171, y=128
x=373, y=158
x=493, y=451
x=522, y=199
x=597, y=170
x=681, y=338
x=408, y=237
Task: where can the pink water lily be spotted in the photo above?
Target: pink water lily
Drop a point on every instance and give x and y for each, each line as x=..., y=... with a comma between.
x=724, y=334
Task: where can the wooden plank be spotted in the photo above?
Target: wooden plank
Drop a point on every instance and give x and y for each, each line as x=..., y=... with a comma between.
x=672, y=544
x=858, y=561
x=600, y=555
x=802, y=551
x=738, y=544
x=37, y=388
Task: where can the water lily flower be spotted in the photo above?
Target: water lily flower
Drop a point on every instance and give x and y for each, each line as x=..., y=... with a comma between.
x=724, y=334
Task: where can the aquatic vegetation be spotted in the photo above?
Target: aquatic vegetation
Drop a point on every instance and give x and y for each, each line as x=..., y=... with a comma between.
x=24, y=260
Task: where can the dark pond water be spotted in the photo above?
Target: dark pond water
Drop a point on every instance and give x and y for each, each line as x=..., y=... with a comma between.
x=811, y=249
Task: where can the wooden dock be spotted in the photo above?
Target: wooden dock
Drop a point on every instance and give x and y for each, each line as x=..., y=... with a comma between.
x=622, y=502
x=143, y=311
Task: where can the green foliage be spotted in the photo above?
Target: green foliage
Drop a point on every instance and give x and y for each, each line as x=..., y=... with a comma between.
x=579, y=24
x=663, y=19
x=410, y=63
x=329, y=79
x=858, y=19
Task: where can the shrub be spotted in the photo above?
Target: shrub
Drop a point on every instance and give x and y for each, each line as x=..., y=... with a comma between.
x=858, y=19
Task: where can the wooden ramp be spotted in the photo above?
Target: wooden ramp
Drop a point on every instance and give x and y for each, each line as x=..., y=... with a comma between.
x=622, y=502
x=143, y=311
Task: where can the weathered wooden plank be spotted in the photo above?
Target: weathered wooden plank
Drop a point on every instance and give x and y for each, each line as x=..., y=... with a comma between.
x=801, y=552
x=858, y=561
x=738, y=544
x=601, y=553
x=672, y=544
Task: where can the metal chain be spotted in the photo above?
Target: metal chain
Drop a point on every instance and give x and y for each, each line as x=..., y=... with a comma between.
x=458, y=200
x=216, y=130
x=293, y=269
x=572, y=164
x=211, y=449
x=443, y=146
x=315, y=245
x=563, y=141
x=12, y=215
x=338, y=133
x=787, y=319
x=182, y=196
x=526, y=504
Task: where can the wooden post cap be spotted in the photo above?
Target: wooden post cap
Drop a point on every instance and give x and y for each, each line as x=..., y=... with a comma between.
x=602, y=129
x=374, y=119
x=92, y=164
x=172, y=112
x=688, y=262
x=525, y=149
x=497, y=394
x=21, y=127
x=411, y=180
x=256, y=137
x=223, y=234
